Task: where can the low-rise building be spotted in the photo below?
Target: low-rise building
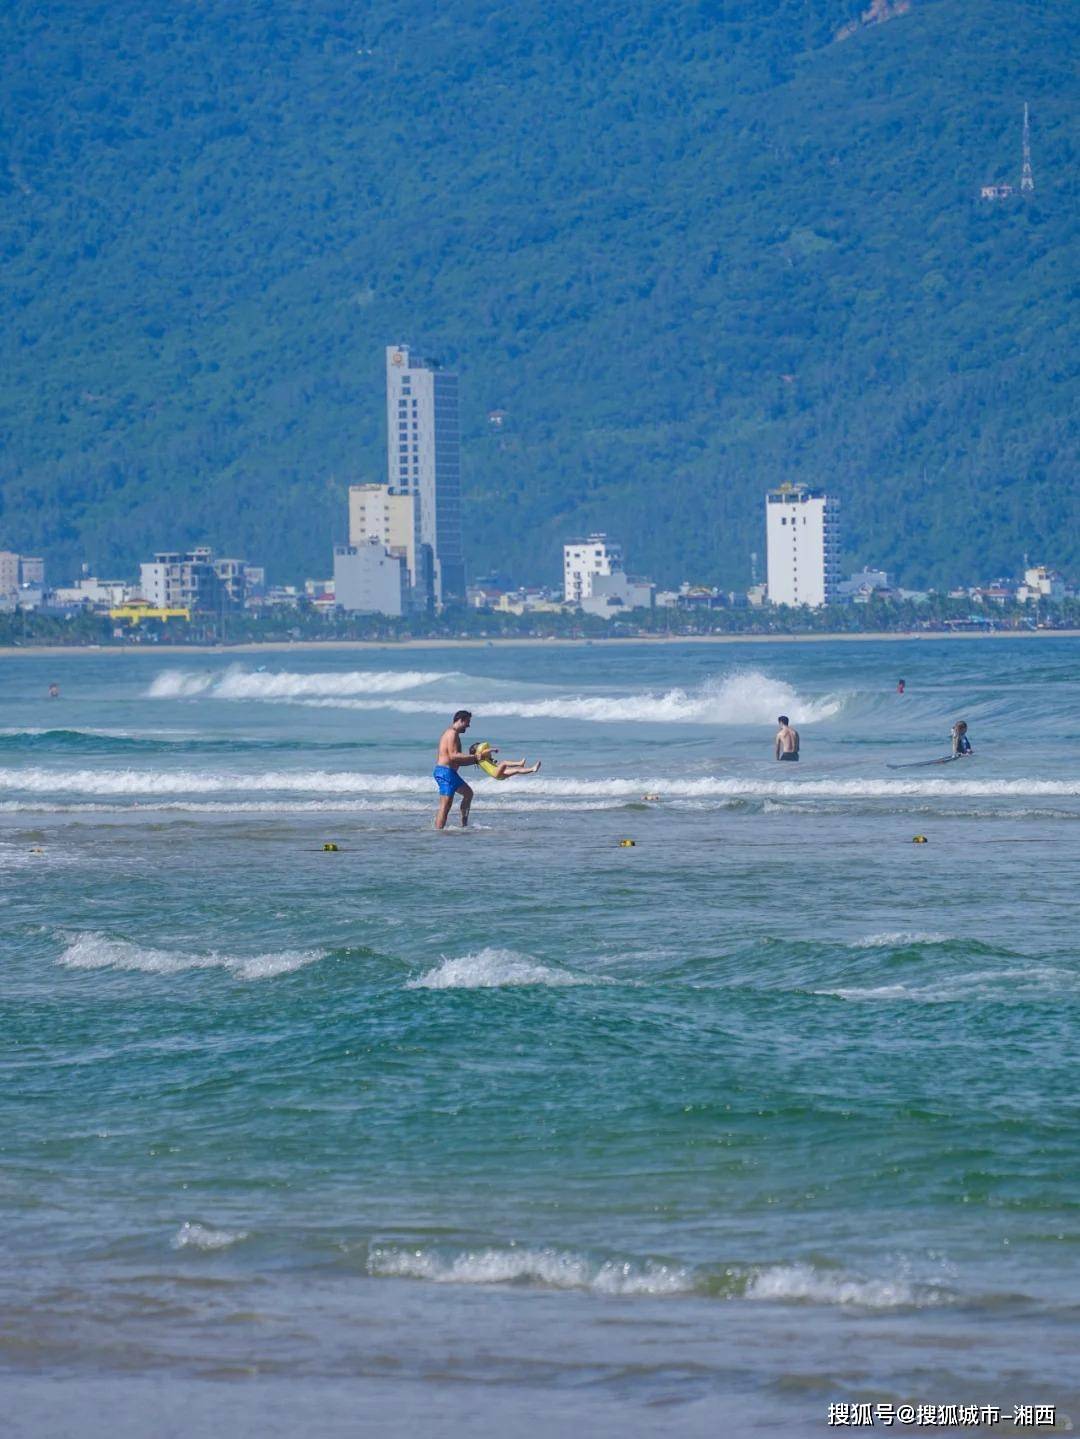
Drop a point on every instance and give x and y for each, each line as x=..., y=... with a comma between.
x=536, y=600
x=587, y=561
x=370, y=579
x=616, y=593
x=181, y=579
x=9, y=573
x=862, y=587
x=1041, y=583
x=391, y=516
x=91, y=593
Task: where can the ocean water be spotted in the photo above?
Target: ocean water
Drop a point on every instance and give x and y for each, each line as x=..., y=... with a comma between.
x=519, y=1131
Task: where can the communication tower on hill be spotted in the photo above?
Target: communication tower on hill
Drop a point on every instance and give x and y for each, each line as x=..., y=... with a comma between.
x=1027, y=180
x=1005, y=191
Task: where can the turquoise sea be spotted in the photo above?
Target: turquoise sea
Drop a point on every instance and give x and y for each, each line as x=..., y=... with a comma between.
x=518, y=1131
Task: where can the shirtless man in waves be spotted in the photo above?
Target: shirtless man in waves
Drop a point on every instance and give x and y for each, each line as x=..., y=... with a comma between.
x=787, y=740
x=447, y=763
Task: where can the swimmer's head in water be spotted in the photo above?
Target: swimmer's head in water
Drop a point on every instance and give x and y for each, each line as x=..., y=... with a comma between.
x=961, y=726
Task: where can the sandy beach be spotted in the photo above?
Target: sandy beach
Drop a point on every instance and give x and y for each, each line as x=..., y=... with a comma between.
x=298, y=646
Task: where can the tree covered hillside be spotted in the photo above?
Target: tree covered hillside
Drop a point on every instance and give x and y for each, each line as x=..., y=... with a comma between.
x=689, y=249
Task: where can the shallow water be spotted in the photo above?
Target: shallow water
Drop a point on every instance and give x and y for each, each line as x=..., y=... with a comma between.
x=519, y=1131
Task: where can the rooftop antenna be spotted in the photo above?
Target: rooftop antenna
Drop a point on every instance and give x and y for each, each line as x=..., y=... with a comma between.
x=1027, y=181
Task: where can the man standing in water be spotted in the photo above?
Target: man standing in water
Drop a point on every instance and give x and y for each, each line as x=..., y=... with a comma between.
x=447, y=763
x=787, y=740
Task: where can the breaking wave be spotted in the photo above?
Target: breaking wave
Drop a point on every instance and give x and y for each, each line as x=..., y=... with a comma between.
x=237, y=683
x=495, y=969
x=802, y=1282
x=747, y=697
x=97, y=951
x=551, y=1268
x=202, y=1236
x=1031, y=983
x=36, y=780
x=898, y=939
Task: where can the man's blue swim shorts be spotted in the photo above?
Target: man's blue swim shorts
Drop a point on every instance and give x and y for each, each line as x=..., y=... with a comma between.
x=448, y=780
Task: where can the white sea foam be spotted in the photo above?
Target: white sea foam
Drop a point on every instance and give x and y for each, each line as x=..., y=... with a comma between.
x=897, y=939
x=97, y=951
x=552, y=1268
x=42, y=780
x=746, y=697
x=1037, y=981
x=202, y=1236
x=495, y=969
x=787, y=1282
x=238, y=683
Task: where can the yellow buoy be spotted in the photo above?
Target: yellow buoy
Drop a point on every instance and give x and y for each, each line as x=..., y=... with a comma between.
x=920, y=839
x=627, y=843
x=330, y=847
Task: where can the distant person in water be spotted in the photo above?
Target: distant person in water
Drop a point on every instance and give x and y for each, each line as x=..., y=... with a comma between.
x=504, y=768
x=961, y=745
x=787, y=740
x=448, y=761
x=54, y=691
x=900, y=687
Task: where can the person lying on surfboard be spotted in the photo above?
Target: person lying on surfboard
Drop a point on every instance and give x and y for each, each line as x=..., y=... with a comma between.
x=482, y=752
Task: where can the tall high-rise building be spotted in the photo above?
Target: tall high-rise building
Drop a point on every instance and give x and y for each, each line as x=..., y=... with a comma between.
x=802, y=540
x=423, y=455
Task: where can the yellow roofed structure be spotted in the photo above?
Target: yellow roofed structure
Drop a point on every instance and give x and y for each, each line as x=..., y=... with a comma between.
x=135, y=611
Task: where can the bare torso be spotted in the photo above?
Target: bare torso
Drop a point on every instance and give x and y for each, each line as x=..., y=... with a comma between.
x=787, y=740
x=449, y=747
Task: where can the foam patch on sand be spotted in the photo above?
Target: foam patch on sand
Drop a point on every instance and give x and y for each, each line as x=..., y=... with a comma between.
x=96, y=951
x=496, y=969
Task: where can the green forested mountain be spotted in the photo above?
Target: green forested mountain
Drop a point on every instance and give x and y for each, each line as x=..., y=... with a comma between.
x=690, y=247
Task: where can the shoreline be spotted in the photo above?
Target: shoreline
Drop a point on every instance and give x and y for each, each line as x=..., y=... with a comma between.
x=529, y=641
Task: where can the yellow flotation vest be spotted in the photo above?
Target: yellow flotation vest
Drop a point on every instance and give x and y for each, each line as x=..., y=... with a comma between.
x=488, y=766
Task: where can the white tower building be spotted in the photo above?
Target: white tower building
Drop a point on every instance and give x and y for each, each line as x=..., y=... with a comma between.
x=584, y=561
x=802, y=537
x=423, y=457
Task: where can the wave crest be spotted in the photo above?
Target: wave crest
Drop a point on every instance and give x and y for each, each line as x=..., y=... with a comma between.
x=97, y=951
x=40, y=780
x=237, y=683
x=192, y=1235
x=495, y=969
x=551, y=1268
x=745, y=697
x=793, y=1282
